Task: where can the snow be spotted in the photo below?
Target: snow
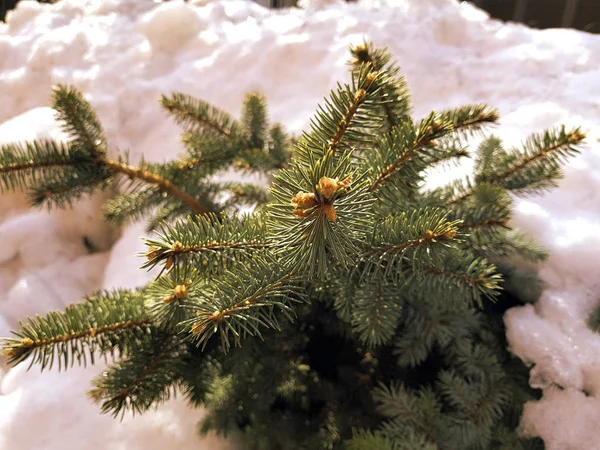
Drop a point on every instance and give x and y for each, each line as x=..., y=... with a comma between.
x=124, y=53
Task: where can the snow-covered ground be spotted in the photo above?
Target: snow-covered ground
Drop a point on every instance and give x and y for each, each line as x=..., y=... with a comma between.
x=124, y=53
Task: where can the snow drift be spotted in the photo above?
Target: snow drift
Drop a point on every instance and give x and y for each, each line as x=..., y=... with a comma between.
x=124, y=53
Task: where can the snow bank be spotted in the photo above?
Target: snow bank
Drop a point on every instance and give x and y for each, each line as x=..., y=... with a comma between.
x=124, y=53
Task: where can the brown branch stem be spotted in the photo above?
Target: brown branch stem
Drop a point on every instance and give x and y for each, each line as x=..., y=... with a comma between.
x=157, y=180
x=28, y=343
x=471, y=281
x=570, y=138
x=34, y=165
x=482, y=224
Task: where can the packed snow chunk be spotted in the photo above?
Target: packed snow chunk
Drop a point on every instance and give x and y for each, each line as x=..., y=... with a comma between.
x=31, y=295
x=41, y=400
x=33, y=237
x=25, y=11
x=20, y=129
x=241, y=10
x=564, y=419
x=53, y=287
x=66, y=47
x=315, y=5
x=170, y=26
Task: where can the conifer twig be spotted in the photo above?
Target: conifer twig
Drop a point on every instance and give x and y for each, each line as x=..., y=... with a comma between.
x=393, y=168
x=468, y=279
x=15, y=167
x=439, y=126
x=426, y=239
x=30, y=344
x=207, y=320
x=568, y=139
x=345, y=122
x=99, y=393
x=191, y=111
x=483, y=224
x=352, y=110
x=363, y=56
x=152, y=178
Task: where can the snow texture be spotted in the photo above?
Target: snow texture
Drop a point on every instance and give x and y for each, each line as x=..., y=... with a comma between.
x=124, y=53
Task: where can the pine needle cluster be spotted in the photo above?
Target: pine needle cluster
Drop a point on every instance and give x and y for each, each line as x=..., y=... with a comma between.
x=352, y=309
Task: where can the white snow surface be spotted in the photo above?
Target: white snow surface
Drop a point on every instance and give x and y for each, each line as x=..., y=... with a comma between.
x=124, y=53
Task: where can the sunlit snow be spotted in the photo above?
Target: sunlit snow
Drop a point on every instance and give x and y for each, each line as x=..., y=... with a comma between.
x=124, y=53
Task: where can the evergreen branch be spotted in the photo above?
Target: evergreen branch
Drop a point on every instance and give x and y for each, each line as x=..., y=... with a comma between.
x=375, y=313
x=490, y=155
x=71, y=185
x=342, y=120
x=404, y=143
x=161, y=183
x=539, y=147
x=411, y=412
x=207, y=153
x=460, y=282
x=170, y=297
x=142, y=380
x=532, y=170
x=254, y=119
x=16, y=167
x=369, y=440
x=79, y=119
x=427, y=323
x=279, y=146
x=244, y=194
x=408, y=139
x=486, y=223
x=346, y=121
x=239, y=304
x=21, y=164
x=210, y=241
x=509, y=243
x=464, y=193
x=378, y=440
x=446, y=151
x=200, y=115
x=394, y=96
x=468, y=119
x=422, y=237
x=167, y=213
x=130, y=207
x=320, y=215
x=105, y=323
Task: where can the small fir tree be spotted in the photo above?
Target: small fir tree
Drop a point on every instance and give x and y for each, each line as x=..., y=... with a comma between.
x=352, y=309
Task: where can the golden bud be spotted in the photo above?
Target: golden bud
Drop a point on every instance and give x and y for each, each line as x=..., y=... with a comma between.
x=329, y=211
x=304, y=200
x=327, y=187
x=196, y=327
x=152, y=252
x=346, y=182
x=180, y=291
x=360, y=95
x=301, y=213
x=371, y=77
x=450, y=234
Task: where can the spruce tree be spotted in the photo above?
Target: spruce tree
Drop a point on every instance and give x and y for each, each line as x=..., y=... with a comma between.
x=352, y=308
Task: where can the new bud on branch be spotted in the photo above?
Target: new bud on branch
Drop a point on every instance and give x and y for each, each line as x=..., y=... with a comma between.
x=304, y=203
